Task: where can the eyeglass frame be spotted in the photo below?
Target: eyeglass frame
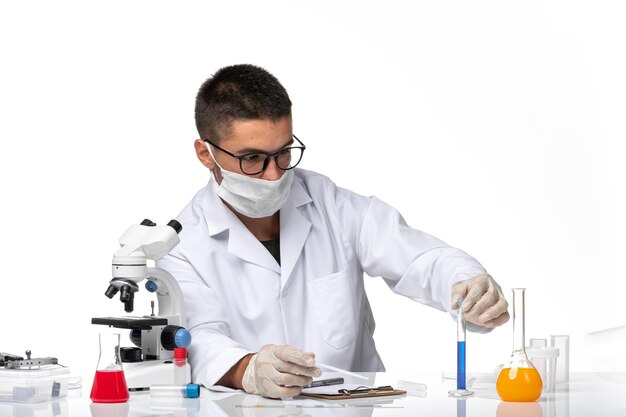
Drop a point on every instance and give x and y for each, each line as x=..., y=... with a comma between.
x=266, y=163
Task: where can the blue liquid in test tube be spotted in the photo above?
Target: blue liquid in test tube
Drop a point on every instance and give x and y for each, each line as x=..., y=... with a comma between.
x=461, y=389
x=460, y=365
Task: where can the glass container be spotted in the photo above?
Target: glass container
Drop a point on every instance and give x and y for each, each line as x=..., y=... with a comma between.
x=518, y=380
x=180, y=366
x=175, y=391
x=109, y=383
x=461, y=389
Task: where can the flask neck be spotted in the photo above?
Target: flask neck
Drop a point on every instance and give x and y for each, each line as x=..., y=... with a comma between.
x=109, y=359
x=518, y=321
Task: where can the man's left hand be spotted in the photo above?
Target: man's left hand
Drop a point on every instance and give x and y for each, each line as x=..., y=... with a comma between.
x=483, y=301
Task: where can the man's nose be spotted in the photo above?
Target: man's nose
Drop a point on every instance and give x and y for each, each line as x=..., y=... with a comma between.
x=272, y=172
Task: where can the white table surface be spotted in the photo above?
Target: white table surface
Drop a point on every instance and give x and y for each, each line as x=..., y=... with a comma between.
x=587, y=394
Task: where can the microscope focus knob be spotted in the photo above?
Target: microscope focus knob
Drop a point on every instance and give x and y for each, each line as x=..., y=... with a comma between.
x=151, y=286
x=130, y=354
x=182, y=338
x=175, y=337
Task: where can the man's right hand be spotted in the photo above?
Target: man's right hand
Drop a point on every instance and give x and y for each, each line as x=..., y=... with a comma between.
x=279, y=371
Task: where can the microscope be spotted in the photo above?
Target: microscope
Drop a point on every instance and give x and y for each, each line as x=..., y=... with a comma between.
x=151, y=360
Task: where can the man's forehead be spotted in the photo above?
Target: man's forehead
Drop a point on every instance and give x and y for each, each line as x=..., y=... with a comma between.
x=258, y=134
x=259, y=125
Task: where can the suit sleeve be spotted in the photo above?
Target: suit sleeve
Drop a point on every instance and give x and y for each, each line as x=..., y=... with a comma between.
x=211, y=352
x=412, y=263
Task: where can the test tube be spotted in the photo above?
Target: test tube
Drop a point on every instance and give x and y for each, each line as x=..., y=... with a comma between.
x=175, y=391
x=460, y=350
x=180, y=366
x=461, y=389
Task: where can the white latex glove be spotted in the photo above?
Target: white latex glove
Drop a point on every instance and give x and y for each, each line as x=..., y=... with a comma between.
x=279, y=371
x=484, y=304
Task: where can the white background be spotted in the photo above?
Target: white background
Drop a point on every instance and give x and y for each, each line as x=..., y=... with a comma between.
x=497, y=126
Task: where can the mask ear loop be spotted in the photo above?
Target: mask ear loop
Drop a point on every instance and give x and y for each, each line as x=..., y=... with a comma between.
x=208, y=145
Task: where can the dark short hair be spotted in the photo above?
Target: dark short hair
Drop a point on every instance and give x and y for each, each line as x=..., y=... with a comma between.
x=238, y=92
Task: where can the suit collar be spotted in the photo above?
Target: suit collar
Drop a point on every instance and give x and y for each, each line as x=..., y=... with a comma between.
x=294, y=229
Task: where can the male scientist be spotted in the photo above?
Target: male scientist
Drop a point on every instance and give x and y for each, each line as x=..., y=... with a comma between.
x=272, y=257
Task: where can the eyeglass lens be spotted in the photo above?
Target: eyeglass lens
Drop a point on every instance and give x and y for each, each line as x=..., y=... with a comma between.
x=257, y=162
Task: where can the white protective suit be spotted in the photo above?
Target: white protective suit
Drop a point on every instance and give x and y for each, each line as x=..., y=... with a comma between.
x=237, y=297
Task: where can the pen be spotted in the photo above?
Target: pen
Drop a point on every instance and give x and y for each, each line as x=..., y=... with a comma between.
x=365, y=390
x=341, y=371
x=324, y=382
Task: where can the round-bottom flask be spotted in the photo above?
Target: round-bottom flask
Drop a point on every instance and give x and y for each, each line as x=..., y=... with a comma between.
x=518, y=380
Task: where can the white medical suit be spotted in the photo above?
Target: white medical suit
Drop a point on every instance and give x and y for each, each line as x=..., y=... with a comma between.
x=237, y=298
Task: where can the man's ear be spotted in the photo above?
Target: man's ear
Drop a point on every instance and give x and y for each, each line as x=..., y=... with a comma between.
x=203, y=153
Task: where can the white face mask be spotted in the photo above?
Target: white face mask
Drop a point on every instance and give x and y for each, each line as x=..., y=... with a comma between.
x=253, y=197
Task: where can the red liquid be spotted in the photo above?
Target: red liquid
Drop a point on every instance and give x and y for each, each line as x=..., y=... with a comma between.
x=109, y=387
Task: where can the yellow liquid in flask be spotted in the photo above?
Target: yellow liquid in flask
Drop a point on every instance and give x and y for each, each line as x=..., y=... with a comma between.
x=519, y=384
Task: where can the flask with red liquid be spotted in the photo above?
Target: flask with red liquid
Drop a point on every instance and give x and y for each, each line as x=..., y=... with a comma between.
x=109, y=384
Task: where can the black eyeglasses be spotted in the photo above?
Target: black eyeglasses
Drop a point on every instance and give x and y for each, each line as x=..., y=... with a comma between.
x=256, y=162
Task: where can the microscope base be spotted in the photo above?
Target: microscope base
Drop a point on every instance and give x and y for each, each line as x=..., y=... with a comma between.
x=140, y=375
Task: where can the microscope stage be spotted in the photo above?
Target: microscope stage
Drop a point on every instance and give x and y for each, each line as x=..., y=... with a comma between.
x=144, y=323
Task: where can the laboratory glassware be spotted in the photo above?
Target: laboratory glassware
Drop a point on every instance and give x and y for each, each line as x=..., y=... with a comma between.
x=561, y=342
x=339, y=370
x=411, y=386
x=544, y=359
x=109, y=384
x=538, y=343
x=519, y=380
x=180, y=366
x=461, y=389
x=175, y=391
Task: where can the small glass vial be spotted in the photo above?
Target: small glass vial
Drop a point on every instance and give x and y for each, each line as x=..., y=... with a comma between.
x=180, y=366
x=175, y=391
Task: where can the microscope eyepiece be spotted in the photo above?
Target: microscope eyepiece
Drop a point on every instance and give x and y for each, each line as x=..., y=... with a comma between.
x=174, y=224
